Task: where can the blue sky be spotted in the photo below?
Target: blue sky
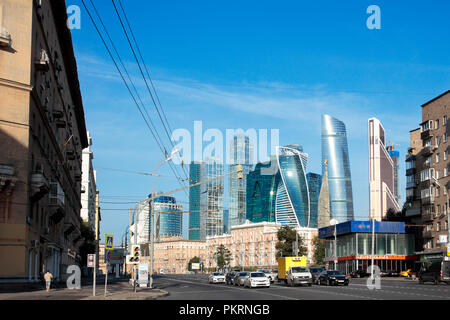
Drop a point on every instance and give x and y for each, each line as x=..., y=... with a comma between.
x=258, y=64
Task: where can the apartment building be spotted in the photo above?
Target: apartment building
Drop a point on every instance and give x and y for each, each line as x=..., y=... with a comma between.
x=42, y=135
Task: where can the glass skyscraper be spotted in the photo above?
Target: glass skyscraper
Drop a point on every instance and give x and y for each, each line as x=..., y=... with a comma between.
x=206, y=200
x=261, y=192
x=314, y=185
x=241, y=151
x=168, y=216
x=335, y=150
x=292, y=199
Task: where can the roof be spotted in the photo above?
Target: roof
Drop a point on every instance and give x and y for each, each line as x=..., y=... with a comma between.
x=448, y=91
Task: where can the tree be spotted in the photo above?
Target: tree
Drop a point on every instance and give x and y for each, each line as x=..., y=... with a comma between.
x=286, y=236
x=392, y=215
x=193, y=260
x=89, y=244
x=319, y=250
x=222, y=256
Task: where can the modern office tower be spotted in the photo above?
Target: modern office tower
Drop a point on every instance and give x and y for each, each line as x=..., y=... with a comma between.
x=395, y=156
x=226, y=220
x=241, y=151
x=432, y=175
x=262, y=184
x=42, y=135
x=168, y=217
x=140, y=226
x=292, y=200
x=323, y=209
x=211, y=197
x=381, y=173
x=335, y=150
x=196, y=218
x=314, y=186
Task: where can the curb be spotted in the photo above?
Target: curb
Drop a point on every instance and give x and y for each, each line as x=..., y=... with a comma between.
x=131, y=296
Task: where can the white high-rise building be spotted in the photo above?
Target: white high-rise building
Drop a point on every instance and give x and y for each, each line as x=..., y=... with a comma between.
x=381, y=173
x=88, y=186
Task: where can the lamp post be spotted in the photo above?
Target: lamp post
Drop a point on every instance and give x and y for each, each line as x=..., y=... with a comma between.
x=152, y=227
x=335, y=222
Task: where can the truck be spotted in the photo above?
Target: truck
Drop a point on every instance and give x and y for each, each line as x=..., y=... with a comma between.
x=294, y=270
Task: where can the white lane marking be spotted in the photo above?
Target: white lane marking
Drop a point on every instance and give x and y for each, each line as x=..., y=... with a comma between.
x=329, y=292
x=383, y=290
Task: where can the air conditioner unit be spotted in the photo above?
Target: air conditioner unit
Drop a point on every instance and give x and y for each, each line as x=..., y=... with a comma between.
x=5, y=38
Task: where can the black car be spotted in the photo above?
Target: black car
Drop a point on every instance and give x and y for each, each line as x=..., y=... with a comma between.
x=229, y=278
x=332, y=278
x=389, y=273
x=435, y=271
x=315, y=271
x=359, y=274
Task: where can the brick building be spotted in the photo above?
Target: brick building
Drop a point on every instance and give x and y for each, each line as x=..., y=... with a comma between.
x=42, y=134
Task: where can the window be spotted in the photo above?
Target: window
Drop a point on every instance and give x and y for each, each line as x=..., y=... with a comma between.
x=438, y=158
x=438, y=174
x=445, y=172
x=425, y=175
x=429, y=160
x=426, y=125
x=444, y=122
x=438, y=140
x=425, y=193
x=438, y=211
x=428, y=143
x=446, y=155
x=436, y=124
x=445, y=137
x=438, y=226
x=410, y=165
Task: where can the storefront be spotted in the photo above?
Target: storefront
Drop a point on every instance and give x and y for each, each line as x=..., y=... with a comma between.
x=352, y=246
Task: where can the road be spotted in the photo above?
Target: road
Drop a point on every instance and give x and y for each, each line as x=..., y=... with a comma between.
x=196, y=287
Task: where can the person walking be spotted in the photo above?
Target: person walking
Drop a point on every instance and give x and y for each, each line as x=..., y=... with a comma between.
x=48, y=280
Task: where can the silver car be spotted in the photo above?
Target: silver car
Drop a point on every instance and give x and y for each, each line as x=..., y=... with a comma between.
x=217, y=277
x=240, y=277
x=257, y=279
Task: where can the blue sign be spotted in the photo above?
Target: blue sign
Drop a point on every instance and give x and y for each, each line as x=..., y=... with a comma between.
x=109, y=242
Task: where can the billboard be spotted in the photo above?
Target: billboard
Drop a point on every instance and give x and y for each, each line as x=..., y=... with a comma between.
x=195, y=266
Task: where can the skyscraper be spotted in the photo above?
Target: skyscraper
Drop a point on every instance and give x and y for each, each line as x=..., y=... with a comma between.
x=381, y=173
x=261, y=192
x=335, y=150
x=314, y=185
x=292, y=199
x=195, y=176
x=241, y=151
x=168, y=216
x=395, y=156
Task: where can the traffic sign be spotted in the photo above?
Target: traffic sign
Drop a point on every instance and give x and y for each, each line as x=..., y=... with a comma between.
x=108, y=257
x=90, y=260
x=109, y=242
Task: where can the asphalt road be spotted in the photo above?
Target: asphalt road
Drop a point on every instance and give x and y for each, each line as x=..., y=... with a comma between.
x=196, y=287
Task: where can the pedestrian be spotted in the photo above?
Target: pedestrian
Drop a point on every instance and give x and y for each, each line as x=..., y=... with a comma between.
x=48, y=280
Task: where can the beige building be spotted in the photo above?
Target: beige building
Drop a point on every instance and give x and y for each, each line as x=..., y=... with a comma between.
x=42, y=134
x=253, y=245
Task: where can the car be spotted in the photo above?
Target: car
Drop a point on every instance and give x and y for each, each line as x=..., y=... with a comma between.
x=256, y=279
x=333, y=277
x=268, y=274
x=359, y=274
x=299, y=275
x=229, y=278
x=435, y=271
x=217, y=277
x=389, y=273
x=315, y=271
x=408, y=273
x=239, y=278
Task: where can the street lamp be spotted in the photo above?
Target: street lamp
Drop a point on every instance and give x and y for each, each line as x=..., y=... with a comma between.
x=335, y=222
x=174, y=152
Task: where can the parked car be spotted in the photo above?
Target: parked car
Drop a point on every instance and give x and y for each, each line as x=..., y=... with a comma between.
x=409, y=273
x=299, y=275
x=256, y=279
x=217, y=277
x=315, y=271
x=359, y=274
x=239, y=278
x=268, y=274
x=435, y=271
x=229, y=278
x=389, y=273
x=333, y=277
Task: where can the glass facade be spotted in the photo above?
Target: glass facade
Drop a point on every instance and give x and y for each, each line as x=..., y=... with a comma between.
x=195, y=170
x=170, y=217
x=293, y=206
x=211, y=197
x=261, y=193
x=335, y=150
x=314, y=185
x=241, y=151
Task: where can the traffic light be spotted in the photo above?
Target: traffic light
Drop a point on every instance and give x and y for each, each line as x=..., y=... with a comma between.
x=135, y=256
x=240, y=172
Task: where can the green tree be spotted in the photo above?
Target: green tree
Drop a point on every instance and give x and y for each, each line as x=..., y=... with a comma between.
x=286, y=237
x=319, y=250
x=89, y=244
x=222, y=256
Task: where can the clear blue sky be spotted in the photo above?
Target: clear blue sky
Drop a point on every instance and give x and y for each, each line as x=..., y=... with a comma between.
x=259, y=64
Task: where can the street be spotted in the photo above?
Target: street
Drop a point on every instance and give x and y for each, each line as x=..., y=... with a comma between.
x=196, y=287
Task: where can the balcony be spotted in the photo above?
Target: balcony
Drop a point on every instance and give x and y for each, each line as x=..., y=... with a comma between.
x=426, y=151
x=61, y=124
x=428, y=200
x=410, y=171
x=39, y=186
x=427, y=234
x=428, y=217
x=426, y=134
